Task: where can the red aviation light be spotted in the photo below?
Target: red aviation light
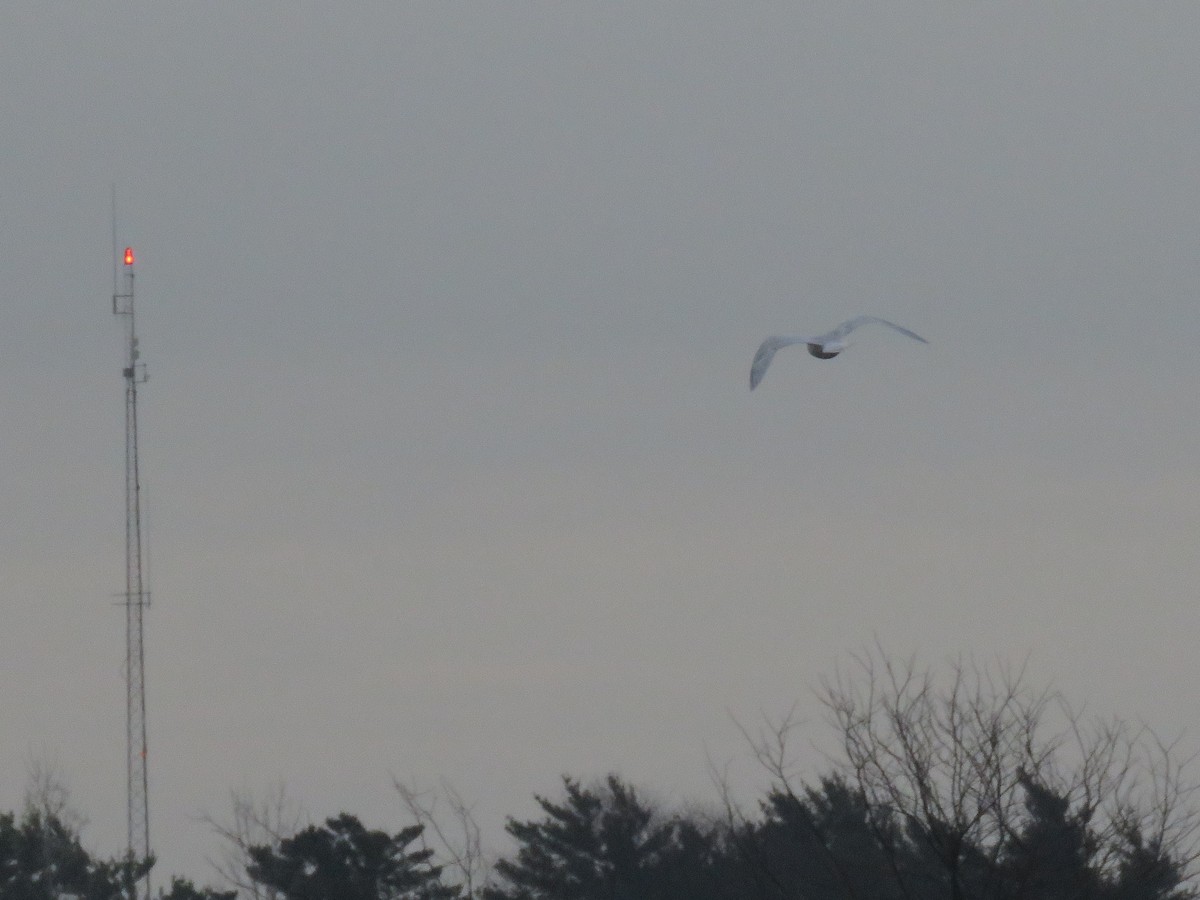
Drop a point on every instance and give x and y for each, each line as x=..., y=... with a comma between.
x=129, y=256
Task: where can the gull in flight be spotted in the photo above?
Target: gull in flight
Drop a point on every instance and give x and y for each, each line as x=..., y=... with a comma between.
x=825, y=346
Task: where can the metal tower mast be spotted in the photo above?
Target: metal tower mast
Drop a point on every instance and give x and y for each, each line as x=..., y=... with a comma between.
x=136, y=598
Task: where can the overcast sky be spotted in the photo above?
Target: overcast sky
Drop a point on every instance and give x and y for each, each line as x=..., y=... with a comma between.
x=449, y=308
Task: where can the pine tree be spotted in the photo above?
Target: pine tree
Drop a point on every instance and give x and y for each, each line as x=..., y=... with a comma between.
x=607, y=844
x=343, y=860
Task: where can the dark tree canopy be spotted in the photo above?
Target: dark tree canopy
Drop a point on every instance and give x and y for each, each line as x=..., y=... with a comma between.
x=343, y=860
x=824, y=842
x=606, y=843
x=946, y=788
x=183, y=889
x=41, y=858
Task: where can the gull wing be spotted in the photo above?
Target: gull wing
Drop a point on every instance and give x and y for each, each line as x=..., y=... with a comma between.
x=846, y=327
x=766, y=351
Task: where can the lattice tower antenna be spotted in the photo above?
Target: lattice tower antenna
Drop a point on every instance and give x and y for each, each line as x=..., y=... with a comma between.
x=136, y=598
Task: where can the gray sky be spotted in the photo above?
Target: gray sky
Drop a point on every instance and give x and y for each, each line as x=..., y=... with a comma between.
x=449, y=308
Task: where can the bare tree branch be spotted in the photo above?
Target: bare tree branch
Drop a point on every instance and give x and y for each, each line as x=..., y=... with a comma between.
x=253, y=821
x=456, y=835
x=953, y=755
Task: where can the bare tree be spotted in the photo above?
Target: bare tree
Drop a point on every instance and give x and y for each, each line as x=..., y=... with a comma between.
x=47, y=794
x=818, y=822
x=253, y=821
x=955, y=760
x=47, y=802
x=450, y=830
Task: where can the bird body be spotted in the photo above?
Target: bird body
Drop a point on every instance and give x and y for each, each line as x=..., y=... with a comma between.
x=824, y=346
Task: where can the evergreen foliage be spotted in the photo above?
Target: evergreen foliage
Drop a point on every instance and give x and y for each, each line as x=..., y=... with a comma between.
x=343, y=860
x=606, y=843
x=41, y=859
x=943, y=794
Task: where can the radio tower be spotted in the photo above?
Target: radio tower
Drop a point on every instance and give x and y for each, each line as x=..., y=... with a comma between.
x=136, y=598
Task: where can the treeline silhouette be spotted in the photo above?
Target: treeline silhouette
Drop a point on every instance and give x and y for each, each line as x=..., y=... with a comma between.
x=957, y=784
